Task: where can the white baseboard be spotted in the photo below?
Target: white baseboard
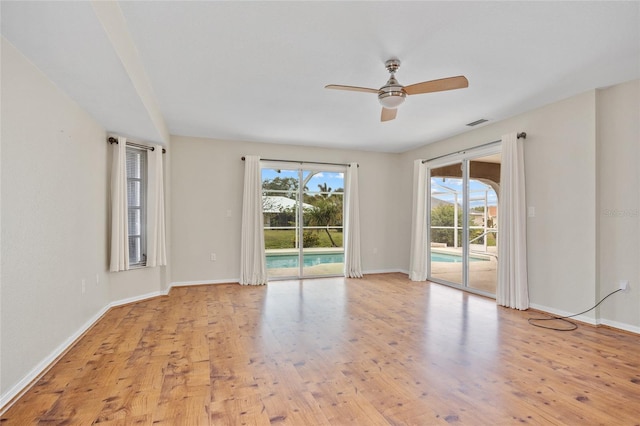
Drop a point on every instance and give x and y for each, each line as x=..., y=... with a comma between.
x=592, y=321
x=383, y=271
x=137, y=298
x=237, y=280
x=621, y=326
x=204, y=282
x=43, y=366
x=560, y=313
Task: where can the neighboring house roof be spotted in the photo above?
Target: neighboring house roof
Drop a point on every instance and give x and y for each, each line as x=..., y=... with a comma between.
x=277, y=204
x=435, y=202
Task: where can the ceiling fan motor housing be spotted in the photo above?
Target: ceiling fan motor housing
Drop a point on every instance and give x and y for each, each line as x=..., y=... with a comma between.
x=392, y=94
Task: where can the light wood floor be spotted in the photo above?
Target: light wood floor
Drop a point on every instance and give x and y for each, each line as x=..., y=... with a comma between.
x=373, y=351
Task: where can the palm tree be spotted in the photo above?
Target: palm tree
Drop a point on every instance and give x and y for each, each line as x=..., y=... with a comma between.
x=324, y=213
x=325, y=189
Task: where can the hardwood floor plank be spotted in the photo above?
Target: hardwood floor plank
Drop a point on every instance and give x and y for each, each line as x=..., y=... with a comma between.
x=381, y=350
x=246, y=410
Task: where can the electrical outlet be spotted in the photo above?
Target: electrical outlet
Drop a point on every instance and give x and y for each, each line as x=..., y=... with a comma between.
x=97, y=279
x=624, y=285
x=84, y=286
x=213, y=257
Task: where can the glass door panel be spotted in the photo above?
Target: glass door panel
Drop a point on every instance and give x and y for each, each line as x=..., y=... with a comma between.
x=303, y=222
x=280, y=200
x=446, y=223
x=483, y=223
x=463, y=222
x=322, y=231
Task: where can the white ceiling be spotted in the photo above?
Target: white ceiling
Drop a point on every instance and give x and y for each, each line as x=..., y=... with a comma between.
x=256, y=71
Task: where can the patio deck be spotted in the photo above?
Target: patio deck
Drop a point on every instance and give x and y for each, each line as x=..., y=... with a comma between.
x=483, y=275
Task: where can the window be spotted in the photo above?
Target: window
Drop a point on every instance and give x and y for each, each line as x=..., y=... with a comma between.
x=137, y=205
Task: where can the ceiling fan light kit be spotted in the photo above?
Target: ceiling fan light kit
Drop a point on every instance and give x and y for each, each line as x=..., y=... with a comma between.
x=393, y=94
x=392, y=99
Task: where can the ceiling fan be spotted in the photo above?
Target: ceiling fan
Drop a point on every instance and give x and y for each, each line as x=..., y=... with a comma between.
x=393, y=94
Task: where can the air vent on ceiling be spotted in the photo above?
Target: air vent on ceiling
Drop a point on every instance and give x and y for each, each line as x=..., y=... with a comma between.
x=475, y=123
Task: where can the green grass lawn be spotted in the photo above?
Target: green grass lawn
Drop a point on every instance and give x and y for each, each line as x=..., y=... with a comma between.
x=278, y=239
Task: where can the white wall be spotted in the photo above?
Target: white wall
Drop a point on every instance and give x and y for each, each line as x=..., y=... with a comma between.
x=207, y=181
x=55, y=168
x=54, y=215
x=618, y=129
x=573, y=249
x=560, y=175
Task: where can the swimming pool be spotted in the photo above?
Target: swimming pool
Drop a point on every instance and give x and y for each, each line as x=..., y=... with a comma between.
x=275, y=261
x=310, y=259
x=453, y=258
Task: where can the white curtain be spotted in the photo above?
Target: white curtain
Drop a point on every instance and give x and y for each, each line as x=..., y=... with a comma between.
x=418, y=260
x=119, y=212
x=512, y=289
x=253, y=270
x=156, y=245
x=352, y=261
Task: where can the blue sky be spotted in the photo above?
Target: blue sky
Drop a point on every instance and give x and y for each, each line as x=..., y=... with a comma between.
x=336, y=180
x=476, y=190
x=333, y=180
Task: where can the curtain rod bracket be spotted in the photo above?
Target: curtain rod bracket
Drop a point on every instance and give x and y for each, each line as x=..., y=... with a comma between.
x=113, y=140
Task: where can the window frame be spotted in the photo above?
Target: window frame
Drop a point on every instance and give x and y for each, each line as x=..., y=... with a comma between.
x=300, y=227
x=464, y=158
x=142, y=208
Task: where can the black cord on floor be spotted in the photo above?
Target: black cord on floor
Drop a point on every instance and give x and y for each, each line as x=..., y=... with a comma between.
x=572, y=324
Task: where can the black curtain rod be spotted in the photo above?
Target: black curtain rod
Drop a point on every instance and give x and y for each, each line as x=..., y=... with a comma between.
x=521, y=135
x=113, y=140
x=304, y=162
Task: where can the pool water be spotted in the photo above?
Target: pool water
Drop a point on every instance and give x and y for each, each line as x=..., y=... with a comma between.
x=452, y=258
x=310, y=259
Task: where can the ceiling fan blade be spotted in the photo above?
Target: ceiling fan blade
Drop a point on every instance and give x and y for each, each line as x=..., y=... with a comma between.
x=450, y=83
x=388, y=114
x=352, y=88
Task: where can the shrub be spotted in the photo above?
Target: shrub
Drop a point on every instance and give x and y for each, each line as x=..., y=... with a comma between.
x=310, y=239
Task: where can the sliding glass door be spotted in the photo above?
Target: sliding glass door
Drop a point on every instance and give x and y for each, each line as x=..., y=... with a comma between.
x=463, y=220
x=446, y=223
x=303, y=220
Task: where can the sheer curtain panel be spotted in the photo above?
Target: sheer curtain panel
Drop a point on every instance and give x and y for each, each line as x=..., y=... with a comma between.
x=119, y=213
x=352, y=261
x=156, y=245
x=253, y=269
x=512, y=288
x=418, y=260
